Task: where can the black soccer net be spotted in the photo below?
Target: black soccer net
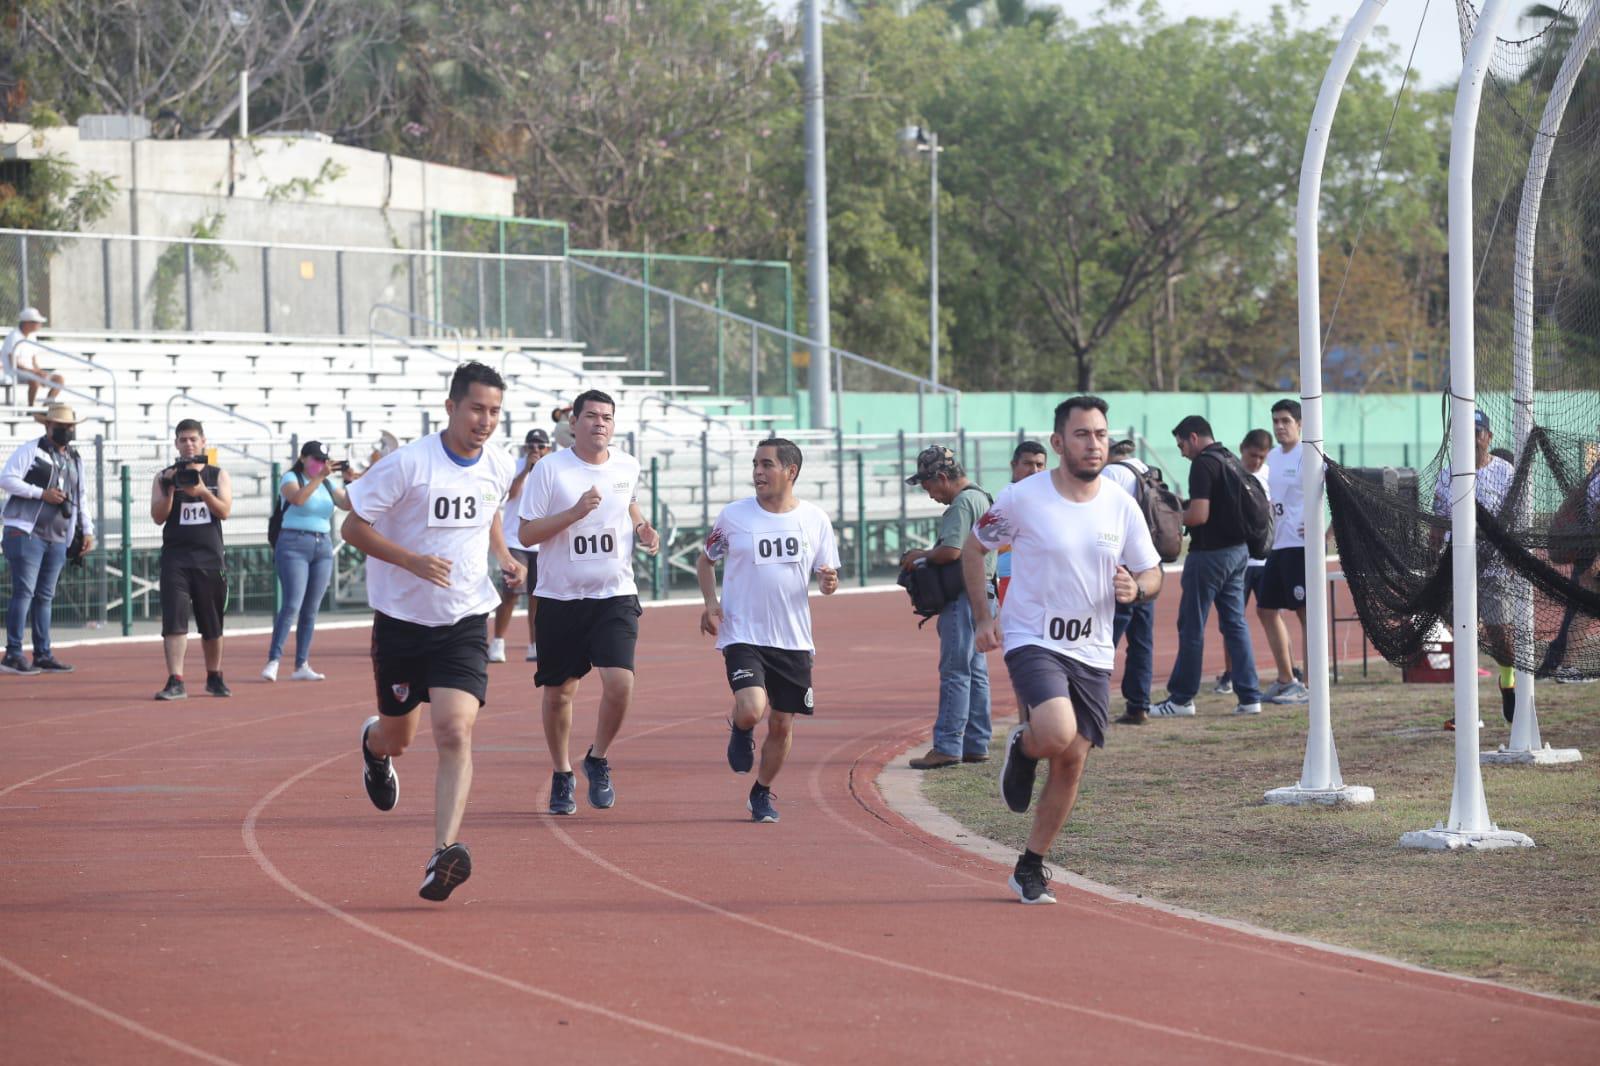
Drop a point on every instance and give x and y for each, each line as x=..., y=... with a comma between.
x=1536, y=241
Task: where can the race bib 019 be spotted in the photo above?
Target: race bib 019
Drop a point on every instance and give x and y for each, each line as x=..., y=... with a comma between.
x=454, y=509
x=779, y=548
x=194, y=514
x=592, y=544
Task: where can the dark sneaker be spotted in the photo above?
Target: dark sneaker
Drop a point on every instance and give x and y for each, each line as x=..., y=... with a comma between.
x=741, y=748
x=49, y=664
x=598, y=771
x=1508, y=701
x=14, y=663
x=1032, y=883
x=448, y=868
x=383, y=784
x=215, y=686
x=174, y=689
x=1135, y=716
x=760, y=805
x=1016, y=777
x=562, y=789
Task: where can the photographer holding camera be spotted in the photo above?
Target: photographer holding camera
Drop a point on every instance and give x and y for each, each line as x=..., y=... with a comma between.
x=190, y=500
x=44, y=514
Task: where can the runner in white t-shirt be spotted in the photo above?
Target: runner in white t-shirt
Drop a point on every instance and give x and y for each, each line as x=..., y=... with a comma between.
x=770, y=544
x=427, y=518
x=580, y=506
x=1079, y=546
x=1283, y=581
x=535, y=446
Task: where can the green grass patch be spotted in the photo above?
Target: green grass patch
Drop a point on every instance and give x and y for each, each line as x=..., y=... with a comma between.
x=1174, y=810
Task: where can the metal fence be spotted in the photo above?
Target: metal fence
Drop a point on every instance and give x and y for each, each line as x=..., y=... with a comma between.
x=120, y=282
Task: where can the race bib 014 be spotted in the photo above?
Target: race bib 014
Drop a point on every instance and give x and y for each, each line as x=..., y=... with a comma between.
x=194, y=514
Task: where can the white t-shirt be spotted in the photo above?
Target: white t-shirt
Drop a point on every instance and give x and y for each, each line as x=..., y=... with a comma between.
x=511, y=520
x=425, y=500
x=768, y=559
x=1494, y=481
x=7, y=354
x=591, y=559
x=1064, y=558
x=1287, y=496
x=1118, y=474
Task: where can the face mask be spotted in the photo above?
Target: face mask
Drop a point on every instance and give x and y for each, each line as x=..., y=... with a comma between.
x=63, y=435
x=314, y=467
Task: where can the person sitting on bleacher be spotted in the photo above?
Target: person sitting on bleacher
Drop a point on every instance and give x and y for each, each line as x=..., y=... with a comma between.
x=14, y=368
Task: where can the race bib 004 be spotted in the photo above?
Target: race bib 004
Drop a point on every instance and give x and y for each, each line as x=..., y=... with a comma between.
x=1065, y=632
x=454, y=509
x=588, y=545
x=194, y=514
x=779, y=548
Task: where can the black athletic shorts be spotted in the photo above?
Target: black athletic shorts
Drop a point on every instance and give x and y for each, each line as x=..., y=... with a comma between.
x=1283, y=585
x=200, y=594
x=1039, y=674
x=410, y=660
x=785, y=674
x=575, y=635
x=1252, y=581
x=526, y=558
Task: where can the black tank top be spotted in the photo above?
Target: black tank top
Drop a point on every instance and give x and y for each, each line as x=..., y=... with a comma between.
x=192, y=535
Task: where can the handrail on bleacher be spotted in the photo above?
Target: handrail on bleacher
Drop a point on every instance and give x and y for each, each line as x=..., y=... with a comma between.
x=45, y=382
x=272, y=438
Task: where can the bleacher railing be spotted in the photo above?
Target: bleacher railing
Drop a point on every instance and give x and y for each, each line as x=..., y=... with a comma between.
x=128, y=282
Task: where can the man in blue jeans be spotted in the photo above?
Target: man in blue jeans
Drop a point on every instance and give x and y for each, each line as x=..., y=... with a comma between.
x=1213, y=572
x=1136, y=621
x=44, y=510
x=961, y=731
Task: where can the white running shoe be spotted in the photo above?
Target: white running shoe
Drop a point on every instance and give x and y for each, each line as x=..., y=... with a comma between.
x=269, y=672
x=497, y=650
x=533, y=654
x=1247, y=708
x=1170, y=709
x=305, y=673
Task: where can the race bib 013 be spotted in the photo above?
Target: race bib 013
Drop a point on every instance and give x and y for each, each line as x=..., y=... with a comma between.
x=454, y=508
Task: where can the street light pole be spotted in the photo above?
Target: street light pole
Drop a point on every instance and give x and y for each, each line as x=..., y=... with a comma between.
x=933, y=259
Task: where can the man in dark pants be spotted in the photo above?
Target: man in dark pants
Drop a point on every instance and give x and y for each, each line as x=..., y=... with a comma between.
x=44, y=508
x=1137, y=620
x=190, y=500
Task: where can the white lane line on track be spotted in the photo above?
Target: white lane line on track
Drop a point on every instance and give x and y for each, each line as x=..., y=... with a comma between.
x=112, y=1016
x=77, y=715
x=253, y=845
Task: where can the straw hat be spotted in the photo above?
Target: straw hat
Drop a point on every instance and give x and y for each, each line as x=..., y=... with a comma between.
x=61, y=413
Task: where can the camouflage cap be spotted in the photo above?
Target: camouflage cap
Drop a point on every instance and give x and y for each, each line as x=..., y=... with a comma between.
x=934, y=460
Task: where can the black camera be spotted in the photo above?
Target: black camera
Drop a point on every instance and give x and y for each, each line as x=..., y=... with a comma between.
x=185, y=473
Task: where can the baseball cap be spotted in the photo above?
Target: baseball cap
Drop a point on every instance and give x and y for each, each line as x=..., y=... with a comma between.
x=536, y=436
x=313, y=449
x=934, y=460
x=31, y=314
x=1481, y=421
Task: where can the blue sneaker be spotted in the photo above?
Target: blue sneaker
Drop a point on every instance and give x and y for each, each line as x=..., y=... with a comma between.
x=741, y=748
x=598, y=771
x=562, y=787
x=760, y=805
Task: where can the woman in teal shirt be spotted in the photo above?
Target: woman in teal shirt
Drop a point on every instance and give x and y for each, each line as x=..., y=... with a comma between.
x=303, y=555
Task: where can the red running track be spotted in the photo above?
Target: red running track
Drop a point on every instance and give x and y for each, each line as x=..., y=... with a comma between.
x=206, y=880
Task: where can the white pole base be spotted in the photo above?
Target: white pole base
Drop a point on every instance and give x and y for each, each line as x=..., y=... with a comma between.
x=1545, y=756
x=1441, y=839
x=1295, y=796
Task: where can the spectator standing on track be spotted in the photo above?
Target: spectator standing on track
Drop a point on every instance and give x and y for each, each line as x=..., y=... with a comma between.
x=303, y=556
x=770, y=543
x=1213, y=573
x=190, y=500
x=962, y=729
x=534, y=447
x=428, y=518
x=580, y=506
x=1080, y=547
x=1283, y=583
x=1027, y=460
x=12, y=368
x=1136, y=621
x=44, y=511
x=1253, y=457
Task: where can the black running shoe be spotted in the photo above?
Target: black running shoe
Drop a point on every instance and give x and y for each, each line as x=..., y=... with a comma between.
x=49, y=664
x=14, y=663
x=598, y=771
x=448, y=868
x=383, y=784
x=1031, y=883
x=741, y=748
x=215, y=686
x=760, y=805
x=563, y=787
x=1016, y=777
x=174, y=689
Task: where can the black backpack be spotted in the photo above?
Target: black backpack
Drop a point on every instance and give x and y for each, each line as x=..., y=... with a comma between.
x=1162, y=510
x=933, y=586
x=1255, y=509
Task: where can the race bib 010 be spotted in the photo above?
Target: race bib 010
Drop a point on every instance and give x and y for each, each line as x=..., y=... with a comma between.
x=454, y=509
x=592, y=544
